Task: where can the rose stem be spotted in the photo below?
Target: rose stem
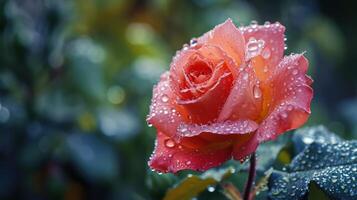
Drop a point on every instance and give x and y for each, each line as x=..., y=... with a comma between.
x=251, y=177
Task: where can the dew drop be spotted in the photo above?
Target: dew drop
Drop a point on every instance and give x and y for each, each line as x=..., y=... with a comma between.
x=267, y=24
x=193, y=42
x=169, y=143
x=211, y=189
x=295, y=71
x=257, y=92
x=254, y=24
x=266, y=53
x=245, y=76
x=290, y=107
x=284, y=115
x=164, y=98
x=254, y=47
x=265, y=69
x=188, y=162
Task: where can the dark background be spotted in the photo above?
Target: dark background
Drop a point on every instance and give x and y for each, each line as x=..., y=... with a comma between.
x=76, y=80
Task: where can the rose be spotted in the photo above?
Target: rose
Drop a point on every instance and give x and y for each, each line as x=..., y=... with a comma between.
x=225, y=93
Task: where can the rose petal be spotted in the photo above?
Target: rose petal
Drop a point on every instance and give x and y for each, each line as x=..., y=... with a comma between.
x=169, y=156
x=163, y=111
x=206, y=108
x=245, y=147
x=207, y=54
x=291, y=98
x=221, y=128
x=273, y=37
x=291, y=76
x=282, y=119
x=242, y=102
x=228, y=38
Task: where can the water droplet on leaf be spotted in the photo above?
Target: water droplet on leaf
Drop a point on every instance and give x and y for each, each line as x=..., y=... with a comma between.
x=211, y=189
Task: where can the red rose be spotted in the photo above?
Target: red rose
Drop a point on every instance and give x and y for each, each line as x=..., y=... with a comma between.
x=225, y=93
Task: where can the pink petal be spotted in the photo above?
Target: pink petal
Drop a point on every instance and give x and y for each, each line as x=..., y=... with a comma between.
x=290, y=82
x=282, y=119
x=177, y=69
x=227, y=37
x=169, y=156
x=291, y=98
x=206, y=108
x=273, y=37
x=163, y=112
x=218, y=60
x=221, y=128
x=246, y=147
x=241, y=103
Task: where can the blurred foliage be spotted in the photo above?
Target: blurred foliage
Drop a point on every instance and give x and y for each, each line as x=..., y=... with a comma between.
x=76, y=80
x=192, y=185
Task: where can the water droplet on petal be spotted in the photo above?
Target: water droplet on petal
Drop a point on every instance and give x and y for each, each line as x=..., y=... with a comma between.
x=295, y=71
x=265, y=69
x=169, y=143
x=267, y=24
x=254, y=24
x=245, y=76
x=164, y=98
x=188, y=162
x=284, y=115
x=254, y=47
x=266, y=53
x=193, y=42
x=290, y=107
x=257, y=92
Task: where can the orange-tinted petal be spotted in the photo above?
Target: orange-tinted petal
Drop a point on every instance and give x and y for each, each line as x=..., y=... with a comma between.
x=244, y=100
x=272, y=35
x=227, y=37
x=290, y=100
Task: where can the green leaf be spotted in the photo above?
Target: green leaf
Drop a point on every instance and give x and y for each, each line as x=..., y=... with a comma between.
x=302, y=138
x=159, y=183
x=332, y=166
x=191, y=186
x=316, y=193
x=268, y=152
x=305, y=136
